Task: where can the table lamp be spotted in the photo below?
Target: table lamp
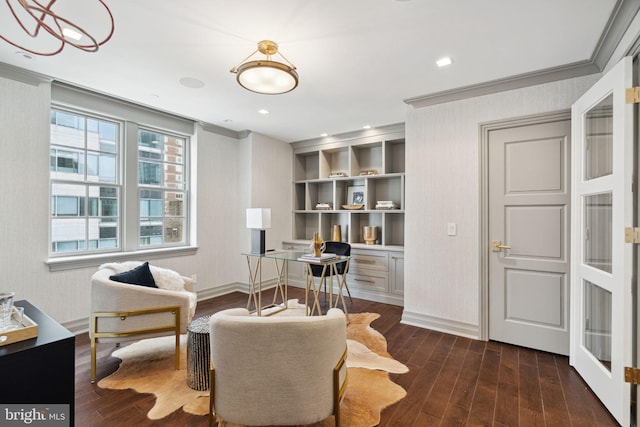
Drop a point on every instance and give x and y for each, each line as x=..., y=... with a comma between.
x=258, y=219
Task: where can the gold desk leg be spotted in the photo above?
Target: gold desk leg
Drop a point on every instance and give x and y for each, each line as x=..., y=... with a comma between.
x=255, y=278
x=342, y=283
x=311, y=285
x=281, y=284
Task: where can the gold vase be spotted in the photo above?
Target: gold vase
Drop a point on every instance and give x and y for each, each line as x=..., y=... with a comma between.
x=370, y=234
x=336, y=234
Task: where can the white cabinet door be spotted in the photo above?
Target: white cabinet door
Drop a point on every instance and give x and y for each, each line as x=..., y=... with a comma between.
x=396, y=273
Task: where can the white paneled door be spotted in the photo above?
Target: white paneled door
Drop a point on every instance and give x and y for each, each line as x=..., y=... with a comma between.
x=602, y=264
x=529, y=201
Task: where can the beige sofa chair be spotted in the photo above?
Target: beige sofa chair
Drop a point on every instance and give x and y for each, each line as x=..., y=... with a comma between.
x=277, y=370
x=123, y=312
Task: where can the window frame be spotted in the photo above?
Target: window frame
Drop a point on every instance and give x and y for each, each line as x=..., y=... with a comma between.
x=86, y=184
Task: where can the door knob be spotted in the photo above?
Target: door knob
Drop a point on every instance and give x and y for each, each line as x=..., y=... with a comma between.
x=498, y=246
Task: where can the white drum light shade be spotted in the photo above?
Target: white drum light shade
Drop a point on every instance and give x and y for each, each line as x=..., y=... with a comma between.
x=264, y=75
x=268, y=77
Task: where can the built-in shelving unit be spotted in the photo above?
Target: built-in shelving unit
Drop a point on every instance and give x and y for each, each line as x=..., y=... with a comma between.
x=328, y=171
x=372, y=164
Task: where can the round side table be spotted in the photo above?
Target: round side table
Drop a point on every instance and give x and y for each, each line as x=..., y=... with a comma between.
x=198, y=351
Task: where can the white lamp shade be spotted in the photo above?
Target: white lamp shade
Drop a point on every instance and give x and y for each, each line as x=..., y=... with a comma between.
x=259, y=218
x=268, y=77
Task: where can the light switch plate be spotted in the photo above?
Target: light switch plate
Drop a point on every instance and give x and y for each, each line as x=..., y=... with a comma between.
x=452, y=229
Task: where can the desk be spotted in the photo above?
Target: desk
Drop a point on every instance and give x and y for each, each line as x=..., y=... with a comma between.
x=281, y=258
x=40, y=370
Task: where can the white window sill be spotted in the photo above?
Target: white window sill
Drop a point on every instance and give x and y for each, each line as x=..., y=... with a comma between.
x=94, y=260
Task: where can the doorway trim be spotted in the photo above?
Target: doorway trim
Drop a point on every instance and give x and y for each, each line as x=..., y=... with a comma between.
x=485, y=129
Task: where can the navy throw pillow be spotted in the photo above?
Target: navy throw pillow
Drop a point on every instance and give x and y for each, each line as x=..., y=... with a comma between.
x=140, y=275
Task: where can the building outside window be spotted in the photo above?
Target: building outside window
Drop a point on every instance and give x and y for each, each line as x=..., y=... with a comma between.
x=161, y=182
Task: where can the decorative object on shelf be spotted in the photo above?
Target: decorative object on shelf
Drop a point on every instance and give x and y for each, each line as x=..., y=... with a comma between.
x=258, y=219
x=337, y=175
x=40, y=21
x=366, y=172
x=386, y=205
x=352, y=207
x=317, y=245
x=264, y=75
x=356, y=195
x=322, y=206
x=370, y=234
x=336, y=233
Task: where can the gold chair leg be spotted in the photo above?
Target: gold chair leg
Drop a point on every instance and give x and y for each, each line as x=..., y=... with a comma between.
x=92, y=333
x=211, y=396
x=93, y=359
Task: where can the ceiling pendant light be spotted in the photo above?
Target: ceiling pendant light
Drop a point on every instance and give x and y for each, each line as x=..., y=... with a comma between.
x=264, y=75
x=39, y=20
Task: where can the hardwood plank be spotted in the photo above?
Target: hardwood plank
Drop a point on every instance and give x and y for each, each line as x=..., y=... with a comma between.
x=438, y=399
x=507, y=392
x=531, y=409
x=555, y=406
x=464, y=389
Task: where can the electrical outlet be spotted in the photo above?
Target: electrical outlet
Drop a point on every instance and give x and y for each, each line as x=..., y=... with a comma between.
x=452, y=229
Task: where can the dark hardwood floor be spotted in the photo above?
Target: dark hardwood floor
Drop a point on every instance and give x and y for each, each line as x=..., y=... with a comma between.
x=452, y=381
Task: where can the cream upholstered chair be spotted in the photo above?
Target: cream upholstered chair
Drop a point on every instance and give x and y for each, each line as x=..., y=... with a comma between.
x=277, y=370
x=121, y=311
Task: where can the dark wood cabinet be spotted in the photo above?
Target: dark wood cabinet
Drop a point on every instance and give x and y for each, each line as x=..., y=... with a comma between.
x=39, y=370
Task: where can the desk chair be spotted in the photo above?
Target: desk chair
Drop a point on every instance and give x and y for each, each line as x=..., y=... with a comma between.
x=338, y=248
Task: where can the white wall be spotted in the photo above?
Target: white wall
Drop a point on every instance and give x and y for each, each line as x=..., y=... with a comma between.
x=442, y=273
x=266, y=183
x=223, y=191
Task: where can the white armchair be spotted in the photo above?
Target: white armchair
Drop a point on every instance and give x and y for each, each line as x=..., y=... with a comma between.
x=122, y=312
x=277, y=370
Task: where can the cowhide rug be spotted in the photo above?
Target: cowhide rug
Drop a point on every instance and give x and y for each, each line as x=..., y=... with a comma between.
x=147, y=367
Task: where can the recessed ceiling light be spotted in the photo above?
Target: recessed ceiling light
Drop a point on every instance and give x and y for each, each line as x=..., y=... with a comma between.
x=324, y=134
x=443, y=62
x=366, y=127
x=263, y=111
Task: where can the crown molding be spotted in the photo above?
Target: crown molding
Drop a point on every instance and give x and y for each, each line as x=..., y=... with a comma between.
x=621, y=17
x=577, y=69
x=21, y=75
x=623, y=14
x=209, y=127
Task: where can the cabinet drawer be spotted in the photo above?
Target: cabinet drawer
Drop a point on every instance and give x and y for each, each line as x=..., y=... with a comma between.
x=369, y=260
x=359, y=279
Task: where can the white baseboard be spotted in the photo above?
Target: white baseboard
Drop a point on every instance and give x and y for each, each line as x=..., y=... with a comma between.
x=448, y=326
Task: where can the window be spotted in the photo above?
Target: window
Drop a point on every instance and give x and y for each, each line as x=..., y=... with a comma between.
x=161, y=188
x=78, y=193
x=90, y=176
